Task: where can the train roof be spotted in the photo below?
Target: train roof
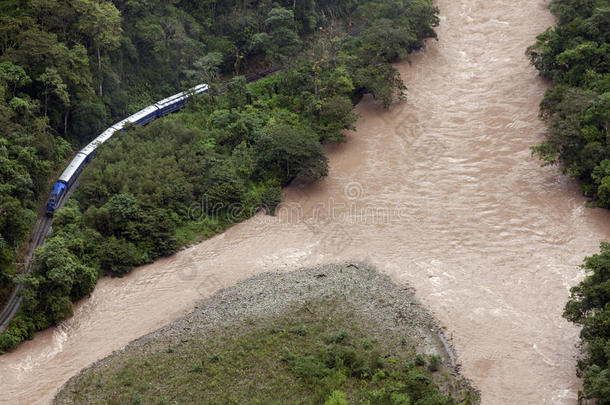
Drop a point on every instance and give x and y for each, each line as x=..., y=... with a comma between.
x=72, y=168
x=172, y=99
x=100, y=139
x=200, y=88
x=104, y=136
x=90, y=148
x=119, y=125
x=140, y=114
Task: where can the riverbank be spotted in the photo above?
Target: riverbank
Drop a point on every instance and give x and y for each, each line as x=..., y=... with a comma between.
x=263, y=317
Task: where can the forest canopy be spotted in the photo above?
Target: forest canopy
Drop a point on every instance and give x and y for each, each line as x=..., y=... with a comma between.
x=575, y=55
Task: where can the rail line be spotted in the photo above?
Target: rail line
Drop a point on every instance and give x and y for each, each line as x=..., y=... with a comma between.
x=39, y=233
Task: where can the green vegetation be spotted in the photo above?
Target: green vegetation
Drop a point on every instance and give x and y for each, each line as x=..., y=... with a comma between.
x=589, y=306
x=576, y=56
x=28, y=155
x=191, y=175
x=332, y=357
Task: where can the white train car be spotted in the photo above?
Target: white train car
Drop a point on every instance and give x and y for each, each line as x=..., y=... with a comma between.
x=74, y=168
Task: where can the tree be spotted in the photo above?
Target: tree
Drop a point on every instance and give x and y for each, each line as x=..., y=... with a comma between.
x=14, y=76
x=382, y=81
x=58, y=279
x=336, y=116
x=259, y=42
x=14, y=220
x=237, y=92
x=208, y=67
x=288, y=152
x=227, y=187
x=589, y=306
x=284, y=41
x=123, y=209
x=601, y=176
x=54, y=85
x=118, y=256
x=384, y=41
x=100, y=21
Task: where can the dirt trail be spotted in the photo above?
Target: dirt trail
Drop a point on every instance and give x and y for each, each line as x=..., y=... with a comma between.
x=439, y=191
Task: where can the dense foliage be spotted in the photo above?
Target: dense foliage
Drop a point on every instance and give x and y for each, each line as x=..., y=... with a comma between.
x=28, y=155
x=153, y=189
x=589, y=306
x=576, y=56
x=326, y=370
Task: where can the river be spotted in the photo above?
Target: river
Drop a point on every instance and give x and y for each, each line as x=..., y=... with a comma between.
x=439, y=191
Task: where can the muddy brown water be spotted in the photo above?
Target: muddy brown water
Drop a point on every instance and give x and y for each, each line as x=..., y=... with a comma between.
x=439, y=191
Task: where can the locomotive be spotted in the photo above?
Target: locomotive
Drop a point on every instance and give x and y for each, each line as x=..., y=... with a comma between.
x=142, y=117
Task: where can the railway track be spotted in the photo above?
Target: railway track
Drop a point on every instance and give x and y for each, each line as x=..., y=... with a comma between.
x=39, y=233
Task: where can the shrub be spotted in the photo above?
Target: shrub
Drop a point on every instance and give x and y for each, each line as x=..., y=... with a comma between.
x=336, y=337
x=336, y=398
x=435, y=362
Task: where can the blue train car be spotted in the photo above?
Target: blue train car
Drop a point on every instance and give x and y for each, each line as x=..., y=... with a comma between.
x=144, y=116
x=177, y=101
x=59, y=189
x=171, y=104
x=66, y=179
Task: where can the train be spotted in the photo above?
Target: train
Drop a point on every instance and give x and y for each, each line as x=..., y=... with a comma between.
x=142, y=117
